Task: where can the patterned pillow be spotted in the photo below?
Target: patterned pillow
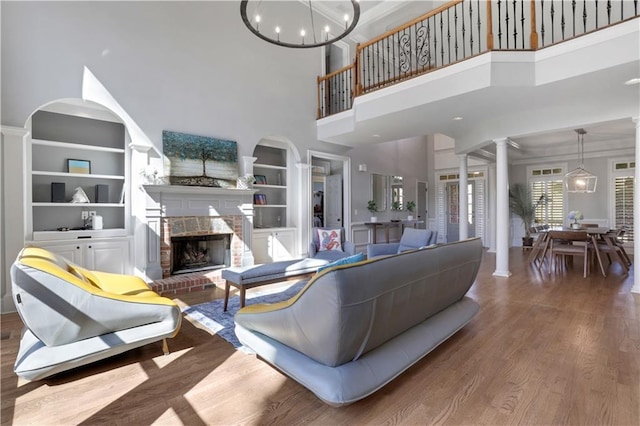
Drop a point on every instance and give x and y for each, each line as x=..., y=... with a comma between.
x=344, y=261
x=329, y=239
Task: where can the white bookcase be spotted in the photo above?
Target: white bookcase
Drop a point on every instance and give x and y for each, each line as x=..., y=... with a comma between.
x=60, y=226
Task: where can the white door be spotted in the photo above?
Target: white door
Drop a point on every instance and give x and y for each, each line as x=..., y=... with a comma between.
x=71, y=252
x=333, y=201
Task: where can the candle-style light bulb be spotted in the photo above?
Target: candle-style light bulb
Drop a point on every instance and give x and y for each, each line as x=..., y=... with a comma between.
x=302, y=33
x=346, y=21
x=258, y=22
x=278, y=33
x=326, y=32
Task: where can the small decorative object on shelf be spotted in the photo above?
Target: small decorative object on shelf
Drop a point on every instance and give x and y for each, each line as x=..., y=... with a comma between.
x=260, y=199
x=80, y=196
x=245, y=182
x=79, y=166
x=410, y=206
x=574, y=216
x=261, y=180
x=150, y=175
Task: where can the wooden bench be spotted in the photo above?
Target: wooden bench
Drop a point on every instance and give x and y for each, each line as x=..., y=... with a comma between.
x=245, y=277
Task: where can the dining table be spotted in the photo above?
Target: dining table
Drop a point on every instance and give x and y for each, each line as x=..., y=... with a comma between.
x=601, y=233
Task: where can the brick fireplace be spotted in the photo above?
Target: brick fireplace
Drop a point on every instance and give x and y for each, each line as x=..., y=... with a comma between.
x=175, y=212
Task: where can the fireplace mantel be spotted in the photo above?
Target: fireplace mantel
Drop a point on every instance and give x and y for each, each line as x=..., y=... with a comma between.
x=203, y=190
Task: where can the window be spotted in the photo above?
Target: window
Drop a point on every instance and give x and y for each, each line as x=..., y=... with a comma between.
x=623, y=187
x=548, y=181
x=552, y=212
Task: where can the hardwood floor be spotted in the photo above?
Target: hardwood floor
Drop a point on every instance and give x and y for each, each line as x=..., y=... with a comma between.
x=544, y=349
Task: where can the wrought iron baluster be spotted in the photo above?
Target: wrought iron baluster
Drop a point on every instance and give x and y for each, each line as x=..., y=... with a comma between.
x=449, y=34
x=608, y=12
x=350, y=77
x=435, y=40
x=499, y=25
x=378, y=62
x=542, y=21
x=455, y=31
x=441, y=39
x=597, y=14
x=471, y=27
x=584, y=16
x=389, y=63
x=369, y=66
x=553, y=12
x=506, y=24
x=515, y=26
x=334, y=100
x=635, y=7
x=621, y=10
x=563, y=21
x=479, y=28
x=463, y=31
x=394, y=55
x=573, y=15
x=522, y=21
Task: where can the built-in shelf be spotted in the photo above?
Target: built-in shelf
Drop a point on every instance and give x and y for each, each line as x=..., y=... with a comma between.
x=78, y=175
x=77, y=205
x=268, y=166
x=79, y=234
x=69, y=145
x=264, y=206
x=257, y=185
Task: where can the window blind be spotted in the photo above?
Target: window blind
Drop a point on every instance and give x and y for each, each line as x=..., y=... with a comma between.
x=624, y=187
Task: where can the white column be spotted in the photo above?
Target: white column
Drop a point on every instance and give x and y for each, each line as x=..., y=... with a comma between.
x=463, y=199
x=636, y=211
x=502, y=209
x=491, y=216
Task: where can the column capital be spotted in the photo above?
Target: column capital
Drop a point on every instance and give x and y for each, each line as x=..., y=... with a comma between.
x=501, y=141
x=636, y=120
x=14, y=131
x=462, y=156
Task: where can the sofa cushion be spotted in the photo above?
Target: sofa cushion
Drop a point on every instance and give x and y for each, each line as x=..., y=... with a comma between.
x=329, y=239
x=414, y=238
x=344, y=261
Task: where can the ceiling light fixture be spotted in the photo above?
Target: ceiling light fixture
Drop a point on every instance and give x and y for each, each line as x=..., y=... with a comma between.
x=632, y=81
x=265, y=19
x=578, y=179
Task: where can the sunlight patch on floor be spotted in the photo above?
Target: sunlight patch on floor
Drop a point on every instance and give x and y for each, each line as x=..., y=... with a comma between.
x=163, y=360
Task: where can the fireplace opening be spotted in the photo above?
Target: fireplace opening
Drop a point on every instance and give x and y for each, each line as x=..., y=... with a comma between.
x=200, y=253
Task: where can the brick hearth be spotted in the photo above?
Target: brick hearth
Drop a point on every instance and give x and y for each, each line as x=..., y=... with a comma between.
x=195, y=225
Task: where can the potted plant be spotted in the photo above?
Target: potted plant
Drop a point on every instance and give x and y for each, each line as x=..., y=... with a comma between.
x=522, y=205
x=410, y=206
x=373, y=208
x=396, y=206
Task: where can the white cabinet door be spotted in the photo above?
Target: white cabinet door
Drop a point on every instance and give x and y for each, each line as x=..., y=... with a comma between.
x=71, y=252
x=105, y=256
x=260, y=246
x=282, y=245
x=108, y=256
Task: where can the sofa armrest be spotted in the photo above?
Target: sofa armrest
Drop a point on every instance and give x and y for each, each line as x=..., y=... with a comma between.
x=349, y=248
x=312, y=249
x=382, y=249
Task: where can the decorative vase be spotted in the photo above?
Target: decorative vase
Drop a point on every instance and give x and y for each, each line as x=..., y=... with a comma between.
x=374, y=218
x=575, y=225
x=410, y=217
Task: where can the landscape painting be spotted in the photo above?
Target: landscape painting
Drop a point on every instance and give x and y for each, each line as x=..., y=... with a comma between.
x=193, y=160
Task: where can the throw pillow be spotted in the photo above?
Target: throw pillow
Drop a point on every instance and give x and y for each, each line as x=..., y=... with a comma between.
x=329, y=239
x=344, y=261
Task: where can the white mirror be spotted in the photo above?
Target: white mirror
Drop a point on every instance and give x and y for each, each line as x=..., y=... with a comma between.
x=379, y=186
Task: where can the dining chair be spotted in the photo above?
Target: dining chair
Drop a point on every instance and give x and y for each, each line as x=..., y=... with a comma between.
x=607, y=245
x=618, y=242
x=568, y=243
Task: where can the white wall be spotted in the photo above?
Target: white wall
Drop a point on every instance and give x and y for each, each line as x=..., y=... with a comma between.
x=183, y=66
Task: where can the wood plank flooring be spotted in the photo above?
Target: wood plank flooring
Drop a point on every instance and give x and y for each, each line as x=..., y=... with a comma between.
x=543, y=350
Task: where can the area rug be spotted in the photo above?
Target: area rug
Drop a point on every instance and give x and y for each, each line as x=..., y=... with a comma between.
x=212, y=316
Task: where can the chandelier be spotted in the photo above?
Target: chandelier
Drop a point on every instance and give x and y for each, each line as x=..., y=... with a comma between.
x=578, y=179
x=285, y=24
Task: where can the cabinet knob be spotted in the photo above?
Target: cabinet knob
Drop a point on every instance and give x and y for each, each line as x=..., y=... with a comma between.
x=89, y=246
x=77, y=247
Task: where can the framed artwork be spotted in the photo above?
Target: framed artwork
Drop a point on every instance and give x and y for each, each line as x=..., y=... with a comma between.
x=194, y=160
x=261, y=179
x=79, y=166
x=260, y=199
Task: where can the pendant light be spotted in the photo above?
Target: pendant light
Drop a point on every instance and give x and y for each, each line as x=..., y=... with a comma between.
x=579, y=180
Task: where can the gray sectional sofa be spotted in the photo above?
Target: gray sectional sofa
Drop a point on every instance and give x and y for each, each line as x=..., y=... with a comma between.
x=354, y=328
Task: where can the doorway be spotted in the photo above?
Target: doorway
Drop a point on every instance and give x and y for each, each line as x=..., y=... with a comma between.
x=422, y=200
x=453, y=210
x=330, y=190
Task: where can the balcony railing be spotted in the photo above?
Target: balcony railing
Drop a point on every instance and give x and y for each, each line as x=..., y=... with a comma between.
x=460, y=30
